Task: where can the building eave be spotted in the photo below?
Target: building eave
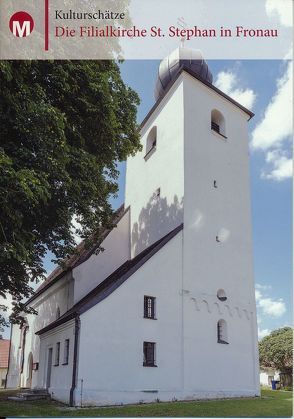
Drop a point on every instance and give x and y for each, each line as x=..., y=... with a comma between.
x=209, y=85
x=50, y=284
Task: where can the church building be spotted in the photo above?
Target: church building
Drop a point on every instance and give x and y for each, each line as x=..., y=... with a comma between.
x=167, y=310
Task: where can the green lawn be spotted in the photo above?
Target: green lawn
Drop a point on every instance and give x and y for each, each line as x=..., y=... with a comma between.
x=271, y=404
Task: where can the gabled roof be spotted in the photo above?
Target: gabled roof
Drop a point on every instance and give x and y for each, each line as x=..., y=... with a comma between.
x=112, y=282
x=4, y=352
x=209, y=85
x=82, y=253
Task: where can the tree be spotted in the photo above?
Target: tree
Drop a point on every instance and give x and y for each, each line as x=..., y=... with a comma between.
x=64, y=125
x=275, y=350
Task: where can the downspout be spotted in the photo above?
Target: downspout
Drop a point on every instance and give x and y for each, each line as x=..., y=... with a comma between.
x=23, y=348
x=8, y=355
x=75, y=361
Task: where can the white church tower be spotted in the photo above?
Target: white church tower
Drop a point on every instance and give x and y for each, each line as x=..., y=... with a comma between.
x=194, y=168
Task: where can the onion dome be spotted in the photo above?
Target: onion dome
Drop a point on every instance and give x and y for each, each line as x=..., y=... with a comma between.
x=171, y=65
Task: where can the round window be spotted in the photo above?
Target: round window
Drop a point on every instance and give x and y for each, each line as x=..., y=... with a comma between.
x=221, y=295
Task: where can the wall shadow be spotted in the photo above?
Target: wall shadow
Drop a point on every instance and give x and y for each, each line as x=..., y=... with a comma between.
x=155, y=220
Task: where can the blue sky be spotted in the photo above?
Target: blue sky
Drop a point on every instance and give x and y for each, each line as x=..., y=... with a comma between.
x=263, y=86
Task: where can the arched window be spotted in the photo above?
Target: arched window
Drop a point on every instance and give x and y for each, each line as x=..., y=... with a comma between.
x=218, y=122
x=151, y=142
x=222, y=332
x=221, y=295
x=57, y=313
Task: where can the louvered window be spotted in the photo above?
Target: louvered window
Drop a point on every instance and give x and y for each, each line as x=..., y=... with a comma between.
x=149, y=307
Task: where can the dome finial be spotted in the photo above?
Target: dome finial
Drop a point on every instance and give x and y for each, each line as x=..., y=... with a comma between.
x=182, y=23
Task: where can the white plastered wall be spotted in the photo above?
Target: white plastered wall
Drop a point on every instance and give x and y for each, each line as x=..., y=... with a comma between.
x=61, y=375
x=111, y=355
x=116, y=251
x=266, y=375
x=59, y=295
x=63, y=294
x=153, y=217
x=14, y=359
x=210, y=265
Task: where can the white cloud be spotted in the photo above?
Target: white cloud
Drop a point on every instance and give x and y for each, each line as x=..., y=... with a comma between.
x=280, y=8
x=227, y=82
x=263, y=332
x=276, y=124
x=274, y=130
x=263, y=287
x=269, y=306
x=282, y=166
x=257, y=295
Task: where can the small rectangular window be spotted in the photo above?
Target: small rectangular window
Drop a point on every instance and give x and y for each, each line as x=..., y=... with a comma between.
x=66, y=352
x=57, y=354
x=149, y=354
x=149, y=307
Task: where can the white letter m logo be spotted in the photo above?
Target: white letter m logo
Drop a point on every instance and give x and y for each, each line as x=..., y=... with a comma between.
x=23, y=29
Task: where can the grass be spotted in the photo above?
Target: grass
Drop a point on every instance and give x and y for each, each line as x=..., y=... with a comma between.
x=270, y=404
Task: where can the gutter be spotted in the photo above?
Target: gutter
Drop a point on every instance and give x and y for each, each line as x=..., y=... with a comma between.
x=75, y=362
x=23, y=348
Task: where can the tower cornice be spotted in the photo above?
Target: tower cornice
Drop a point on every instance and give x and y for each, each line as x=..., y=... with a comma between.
x=206, y=83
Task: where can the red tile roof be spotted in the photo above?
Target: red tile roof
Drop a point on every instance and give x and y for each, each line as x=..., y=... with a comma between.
x=4, y=352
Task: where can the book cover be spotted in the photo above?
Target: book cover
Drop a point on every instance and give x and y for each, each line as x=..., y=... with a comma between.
x=145, y=217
